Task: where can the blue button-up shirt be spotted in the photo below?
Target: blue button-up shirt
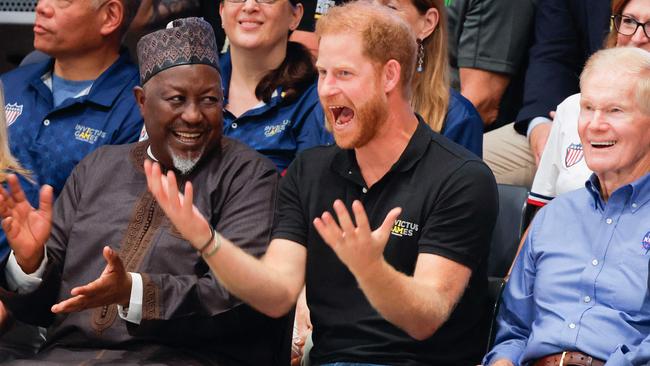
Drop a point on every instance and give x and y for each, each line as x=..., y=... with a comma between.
x=581, y=280
x=50, y=141
x=276, y=129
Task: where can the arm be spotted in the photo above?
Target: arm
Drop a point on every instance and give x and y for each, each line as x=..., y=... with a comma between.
x=629, y=355
x=492, y=44
x=516, y=314
x=463, y=125
x=555, y=59
x=131, y=124
x=270, y=285
x=445, y=251
x=154, y=12
x=484, y=89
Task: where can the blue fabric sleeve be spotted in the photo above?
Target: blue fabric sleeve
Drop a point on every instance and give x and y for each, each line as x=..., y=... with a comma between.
x=463, y=124
x=517, y=310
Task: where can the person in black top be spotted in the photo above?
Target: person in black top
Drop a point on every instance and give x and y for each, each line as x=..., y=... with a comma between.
x=409, y=292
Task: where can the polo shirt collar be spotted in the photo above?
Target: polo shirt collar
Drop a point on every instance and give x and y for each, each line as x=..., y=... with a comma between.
x=225, y=63
x=105, y=89
x=345, y=161
x=640, y=191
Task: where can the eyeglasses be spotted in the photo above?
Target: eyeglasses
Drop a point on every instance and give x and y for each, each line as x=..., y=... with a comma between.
x=627, y=26
x=257, y=1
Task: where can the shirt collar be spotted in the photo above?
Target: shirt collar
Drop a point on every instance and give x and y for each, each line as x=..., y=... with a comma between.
x=105, y=89
x=640, y=191
x=225, y=63
x=345, y=162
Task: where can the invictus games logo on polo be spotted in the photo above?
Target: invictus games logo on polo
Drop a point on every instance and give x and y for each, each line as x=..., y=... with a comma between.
x=274, y=130
x=404, y=228
x=87, y=134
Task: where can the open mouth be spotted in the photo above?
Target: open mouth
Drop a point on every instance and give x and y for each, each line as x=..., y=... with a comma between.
x=342, y=115
x=188, y=138
x=602, y=144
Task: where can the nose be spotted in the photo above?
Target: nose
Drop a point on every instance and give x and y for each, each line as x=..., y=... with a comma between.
x=250, y=5
x=327, y=86
x=598, y=121
x=44, y=8
x=639, y=37
x=192, y=113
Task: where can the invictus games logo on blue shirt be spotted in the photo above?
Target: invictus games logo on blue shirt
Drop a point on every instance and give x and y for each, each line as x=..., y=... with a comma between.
x=270, y=131
x=404, y=228
x=87, y=134
x=646, y=242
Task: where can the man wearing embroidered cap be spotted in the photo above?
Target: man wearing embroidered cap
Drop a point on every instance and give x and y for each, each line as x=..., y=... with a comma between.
x=151, y=298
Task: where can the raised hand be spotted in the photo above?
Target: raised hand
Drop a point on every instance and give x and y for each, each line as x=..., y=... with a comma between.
x=27, y=229
x=357, y=247
x=178, y=207
x=112, y=287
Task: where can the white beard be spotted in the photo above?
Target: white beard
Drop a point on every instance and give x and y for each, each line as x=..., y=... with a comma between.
x=185, y=164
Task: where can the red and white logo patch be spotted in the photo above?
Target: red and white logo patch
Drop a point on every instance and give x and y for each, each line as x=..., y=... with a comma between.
x=573, y=155
x=12, y=112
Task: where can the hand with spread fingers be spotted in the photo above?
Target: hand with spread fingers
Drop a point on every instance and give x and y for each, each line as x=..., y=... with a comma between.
x=112, y=287
x=27, y=228
x=357, y=247
x=177, y=206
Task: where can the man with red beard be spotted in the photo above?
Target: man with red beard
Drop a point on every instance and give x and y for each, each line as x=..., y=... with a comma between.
x=410, y=292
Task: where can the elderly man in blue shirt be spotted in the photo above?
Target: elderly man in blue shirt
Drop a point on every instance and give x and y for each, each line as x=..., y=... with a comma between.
x=578, y=293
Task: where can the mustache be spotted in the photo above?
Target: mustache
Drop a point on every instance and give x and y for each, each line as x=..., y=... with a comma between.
x=191, y=127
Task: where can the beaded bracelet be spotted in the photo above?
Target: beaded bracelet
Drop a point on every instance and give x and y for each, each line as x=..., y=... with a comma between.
x=215, y=247
x=205, y=246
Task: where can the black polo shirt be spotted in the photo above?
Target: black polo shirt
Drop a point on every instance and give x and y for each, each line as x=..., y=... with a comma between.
x=449, y=206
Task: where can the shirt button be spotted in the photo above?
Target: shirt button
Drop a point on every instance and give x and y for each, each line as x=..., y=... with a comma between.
x=46, y=122
x=349, y=171
x=364, y=190
x=594, y=262
x=634, y=205
x=608, y=221
x=233, y=125
x=572, y=326
x=587, y=299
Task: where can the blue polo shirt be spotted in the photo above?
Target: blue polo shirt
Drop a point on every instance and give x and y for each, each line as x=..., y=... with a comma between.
x=50, y=141
x=277, y=130
x=581, y=280
x=463, y=124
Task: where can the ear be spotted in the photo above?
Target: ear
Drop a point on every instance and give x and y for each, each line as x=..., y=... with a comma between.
x=428, y=23
x=138, y=92
x=392, y=75
x=113, y=14
x=296, y=15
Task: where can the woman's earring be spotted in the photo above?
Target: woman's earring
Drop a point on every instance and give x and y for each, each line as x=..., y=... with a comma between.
x=420, y=56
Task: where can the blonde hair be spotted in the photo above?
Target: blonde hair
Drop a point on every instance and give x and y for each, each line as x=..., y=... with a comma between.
x=630, y=60
x=8, y=164
x=431, y=86
x=385, y=36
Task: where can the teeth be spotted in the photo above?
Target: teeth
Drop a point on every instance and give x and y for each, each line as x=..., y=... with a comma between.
x=336, y=111
x=603, y=143
x=189, y=135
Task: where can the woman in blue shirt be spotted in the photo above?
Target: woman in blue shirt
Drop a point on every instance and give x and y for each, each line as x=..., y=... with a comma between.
x=271, y=102
x=446, y=111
